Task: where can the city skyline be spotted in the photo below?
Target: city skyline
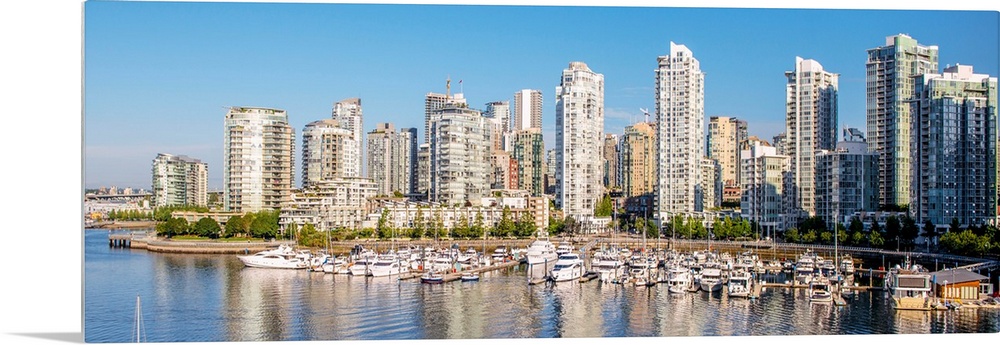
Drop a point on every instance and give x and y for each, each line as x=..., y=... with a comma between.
x=181, y=97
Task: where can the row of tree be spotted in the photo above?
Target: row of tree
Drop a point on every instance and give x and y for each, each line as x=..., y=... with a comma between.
x=160, y=214
x=899, y=233
x=433, y=227
x=263, y=224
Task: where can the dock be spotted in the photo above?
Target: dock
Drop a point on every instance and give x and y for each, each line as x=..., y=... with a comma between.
x=453, y=276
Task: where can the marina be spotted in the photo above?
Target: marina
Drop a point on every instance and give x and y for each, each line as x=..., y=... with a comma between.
x=239, y=303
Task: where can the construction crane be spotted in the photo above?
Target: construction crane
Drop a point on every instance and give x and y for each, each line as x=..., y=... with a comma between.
x=645, y=112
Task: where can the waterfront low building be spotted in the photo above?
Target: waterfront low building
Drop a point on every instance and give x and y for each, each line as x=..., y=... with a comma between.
x=193, y=217
x=960, y=284
x=406, y=214
x=330, y=204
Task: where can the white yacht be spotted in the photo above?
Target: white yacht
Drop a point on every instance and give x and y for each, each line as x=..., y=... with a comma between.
x=820, y=291
x=362, y=266
x=275, y=259
x=563, y=248
x=568, y=267
x=608, y=266
x=335, y=265
x=388, y=265
x=909, y=286
x=847, y=265
x=740, y=284
x=541, y=251
x=499, y=254
x=679, y=280
x=442, y=264
x=711, y=279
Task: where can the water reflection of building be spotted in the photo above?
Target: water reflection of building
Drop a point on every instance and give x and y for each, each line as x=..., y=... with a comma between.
x=575, y=317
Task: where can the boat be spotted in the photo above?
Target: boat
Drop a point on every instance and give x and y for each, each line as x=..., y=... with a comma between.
x=278, y=258
x=541, y=251
x=432, y=277
x=909, y=286
x=820, y=291
x=442, y=264
x=847, y=265
x=608, y=267
x=317, y=261
x=679, y=280
x=388, y=265
x=568, y=267
x=711, y=279
x=362, y=266
x=500, y=254
x=470, y=277
x=740, y=284
x=335, y=265
x=563, y=248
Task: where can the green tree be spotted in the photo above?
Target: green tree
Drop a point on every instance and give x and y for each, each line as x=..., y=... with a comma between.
x=556, y=226
x=264, y=224
x=929, y=232
x=965, y=243
x=506, y=226
x=173, y=227
x=698, y=229
x=651, y=230
x=384, y=227
x=310, y=237
x=461, y=228
x=842, y=236
x=419, y=224
x=478, y=227
x=826, y=237
x=604, y=207
x=235, y=226
x=875, y=238
x=525, y=227
x=207, y=227
x=858, y=238
x=791, y=235
x=397, y=194
x=569, y=225
x=809, y=237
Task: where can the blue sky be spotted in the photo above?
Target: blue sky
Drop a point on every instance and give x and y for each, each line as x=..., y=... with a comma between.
x=159, y=76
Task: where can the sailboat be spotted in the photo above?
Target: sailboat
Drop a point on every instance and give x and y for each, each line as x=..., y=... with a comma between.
x=138, y=327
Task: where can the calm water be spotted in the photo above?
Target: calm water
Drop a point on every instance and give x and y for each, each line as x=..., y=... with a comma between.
x=214, y=298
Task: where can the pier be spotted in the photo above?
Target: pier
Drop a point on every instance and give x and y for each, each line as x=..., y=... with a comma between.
x=453, y=276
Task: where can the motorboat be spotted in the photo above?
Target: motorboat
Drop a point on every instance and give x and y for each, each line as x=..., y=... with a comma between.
x=432, y=277
x=847, y=265
x=362, y=266
x=470, y=277
x=711, y=279
x=609, y=267
x=317, y=261
x=568, y=267
x=388, y=265
x=335, y=265
x=909, y=286
x=679, y=280
x=820, y=291
x=541, y=251
x=468, y=256
x=275, y=259
x=442, y=264
x=740, y=284
x=563, y=248
x=499, y=254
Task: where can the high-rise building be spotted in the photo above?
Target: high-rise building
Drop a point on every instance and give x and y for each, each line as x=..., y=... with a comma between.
x=810, y=126
x=550, y=172
x=611, y=153
x=954, y=147
x=724, y=137
x=423, y=170
x=680, y=133
x=433, y=102
x=638, y=159
x=889, y=87
x=498, y=116
x=711, y=185
x=529, y=152
x=846, y=180
x=179, y=180
x=414, y=166
x=259, y=159
x=527, y=110
x=579, y=129
x=763, y=178
x=328, y=151
x=459, y=167
x=348, y=114
x=779, y=143
x=389, y=163
x=503, y=170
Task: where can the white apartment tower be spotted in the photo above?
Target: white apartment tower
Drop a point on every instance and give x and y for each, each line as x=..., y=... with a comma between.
x=433, y=102
x=810, y=127
x=389, y=163
x=179, y=180
x=459, y=155
x=329, y=151
x=579, y=137
x=348, y=114
x=680, y=135
x=259, y=149
x=498, y=115
x=889, y=74
x=527, y=110
x=762, y=185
